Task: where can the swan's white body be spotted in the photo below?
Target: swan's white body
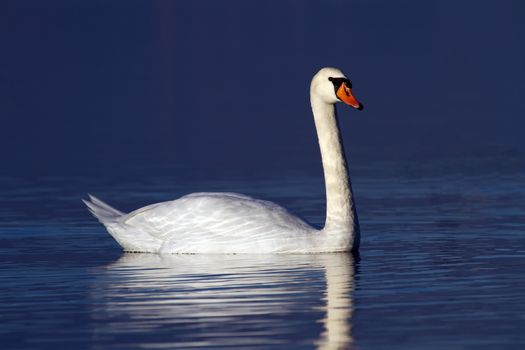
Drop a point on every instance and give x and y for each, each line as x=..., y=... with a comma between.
x=235, y=223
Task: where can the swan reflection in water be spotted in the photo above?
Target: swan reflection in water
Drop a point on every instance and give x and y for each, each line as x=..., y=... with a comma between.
x=181, y=301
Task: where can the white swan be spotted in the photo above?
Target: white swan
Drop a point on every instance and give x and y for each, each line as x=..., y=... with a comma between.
x=235, y=223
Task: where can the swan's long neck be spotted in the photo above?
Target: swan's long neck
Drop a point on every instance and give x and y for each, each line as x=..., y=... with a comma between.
x=341, y=215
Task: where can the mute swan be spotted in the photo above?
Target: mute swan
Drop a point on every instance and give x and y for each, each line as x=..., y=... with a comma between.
x=235, y=223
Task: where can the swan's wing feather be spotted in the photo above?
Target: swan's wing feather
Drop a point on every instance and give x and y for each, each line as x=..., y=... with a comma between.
x=215, y=218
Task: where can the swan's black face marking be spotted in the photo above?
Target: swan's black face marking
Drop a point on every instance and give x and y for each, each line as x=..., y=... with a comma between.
x=338, y=81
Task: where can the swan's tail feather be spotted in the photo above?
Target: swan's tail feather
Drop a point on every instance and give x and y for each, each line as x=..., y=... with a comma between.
x=132, y=239
x=102, y=211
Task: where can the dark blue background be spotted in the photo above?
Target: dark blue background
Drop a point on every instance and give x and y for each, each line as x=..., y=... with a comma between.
x=99, y=85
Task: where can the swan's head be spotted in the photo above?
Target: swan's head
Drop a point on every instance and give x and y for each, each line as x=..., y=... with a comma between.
x=332, y=86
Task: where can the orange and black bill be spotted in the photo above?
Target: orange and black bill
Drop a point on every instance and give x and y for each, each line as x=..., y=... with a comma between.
x=344, y=93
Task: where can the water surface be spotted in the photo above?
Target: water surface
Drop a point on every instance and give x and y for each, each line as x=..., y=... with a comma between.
x=441, y=266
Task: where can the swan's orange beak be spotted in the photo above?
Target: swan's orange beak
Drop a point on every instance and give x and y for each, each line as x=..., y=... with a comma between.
x=345, y=94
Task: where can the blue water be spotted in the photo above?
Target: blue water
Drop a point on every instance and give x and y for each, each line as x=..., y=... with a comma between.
x=441, y=266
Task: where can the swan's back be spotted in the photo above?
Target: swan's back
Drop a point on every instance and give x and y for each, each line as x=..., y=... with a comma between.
x=215, y=223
